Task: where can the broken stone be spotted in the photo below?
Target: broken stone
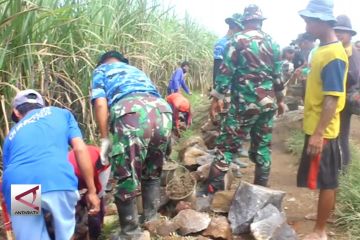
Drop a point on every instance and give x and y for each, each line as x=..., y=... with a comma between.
x=193, y=141
x=191, y=155
x=166, y=228
x=206, y=159
x=270, y=223
x=161, y=227
x=202, y=238
x=203, y=203
x=203, y=172
x=191, y=221
x=266, y=212
x=152, y=225
x=219, y=228
x=248, y=200
x=209, y=138
x=182, y=205
x=222, y=201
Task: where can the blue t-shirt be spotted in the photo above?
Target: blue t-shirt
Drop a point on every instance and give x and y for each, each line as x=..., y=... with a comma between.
x=220, y=47
x=113, y=81
x=36, y=151
x=177, y=80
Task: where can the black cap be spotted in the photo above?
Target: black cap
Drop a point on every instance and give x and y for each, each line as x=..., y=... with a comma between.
x=112, y=54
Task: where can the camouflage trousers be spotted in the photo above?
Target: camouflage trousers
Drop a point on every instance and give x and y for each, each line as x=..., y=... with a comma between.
x=141, y=126
x=241, y=120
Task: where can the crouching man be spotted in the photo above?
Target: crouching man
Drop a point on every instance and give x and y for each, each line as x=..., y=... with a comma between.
x=128, y=104
x=35, y=152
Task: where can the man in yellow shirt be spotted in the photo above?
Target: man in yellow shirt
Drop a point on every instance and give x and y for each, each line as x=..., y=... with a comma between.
x=324, y=100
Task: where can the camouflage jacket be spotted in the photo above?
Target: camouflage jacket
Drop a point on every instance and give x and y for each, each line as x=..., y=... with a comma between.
x=251, y=67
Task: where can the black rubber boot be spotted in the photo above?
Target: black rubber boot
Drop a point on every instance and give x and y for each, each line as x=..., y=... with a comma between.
x=261, y=176
x=129, y=220
x=215, y=180
x=150, y=199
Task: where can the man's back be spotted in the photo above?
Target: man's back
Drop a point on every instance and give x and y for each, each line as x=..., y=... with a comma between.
x=120, y=79
x=35, y=151
x=253, y=64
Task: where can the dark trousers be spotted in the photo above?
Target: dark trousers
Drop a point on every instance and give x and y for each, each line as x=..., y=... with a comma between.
x=345, y=119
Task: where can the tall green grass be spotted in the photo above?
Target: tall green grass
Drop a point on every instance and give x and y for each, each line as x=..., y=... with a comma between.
x=348, y=198
x=53, y=46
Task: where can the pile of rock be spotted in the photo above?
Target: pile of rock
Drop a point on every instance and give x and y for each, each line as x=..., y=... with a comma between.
x=258, y=210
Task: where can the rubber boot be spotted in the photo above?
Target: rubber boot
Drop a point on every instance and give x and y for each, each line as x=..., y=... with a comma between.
x=261, y=176
x=129, y=220
x=215, y=180
x=150, y=198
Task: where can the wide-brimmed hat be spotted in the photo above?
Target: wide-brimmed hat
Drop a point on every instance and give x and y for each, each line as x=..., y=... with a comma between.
x=236, y=19
x=253, y=12
x=319, y=9
x=344, y=24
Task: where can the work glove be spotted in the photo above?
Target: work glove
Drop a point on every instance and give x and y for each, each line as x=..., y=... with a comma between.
x=105, y=149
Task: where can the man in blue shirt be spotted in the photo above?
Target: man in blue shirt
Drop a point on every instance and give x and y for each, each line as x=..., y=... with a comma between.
x=235, y=26
x=177, y=80
x=35, y=152
x=140, y=123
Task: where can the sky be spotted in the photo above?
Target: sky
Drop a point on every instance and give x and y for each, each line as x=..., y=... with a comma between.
x=283, y=22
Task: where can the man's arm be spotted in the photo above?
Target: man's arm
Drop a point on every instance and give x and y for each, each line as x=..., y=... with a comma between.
x=328, y=112
x=102, y=116
x=86, y=169
x=183, y=83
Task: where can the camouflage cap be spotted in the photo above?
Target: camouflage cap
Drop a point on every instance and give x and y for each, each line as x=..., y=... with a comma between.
x=252, y=12
x=236, y=19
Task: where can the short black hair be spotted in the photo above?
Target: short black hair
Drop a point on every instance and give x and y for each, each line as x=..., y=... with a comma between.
x=24, y=109
x=112, y=54
x=185, y=63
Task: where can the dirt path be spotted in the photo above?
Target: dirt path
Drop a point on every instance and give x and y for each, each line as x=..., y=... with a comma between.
x=298, y=202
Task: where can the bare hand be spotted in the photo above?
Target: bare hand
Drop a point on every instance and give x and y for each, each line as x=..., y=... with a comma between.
x=281, y=108
x=93, y=203
x=315, y=145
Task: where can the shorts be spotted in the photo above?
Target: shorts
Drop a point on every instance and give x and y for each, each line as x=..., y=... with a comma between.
x=61, y=205
x=321, y=171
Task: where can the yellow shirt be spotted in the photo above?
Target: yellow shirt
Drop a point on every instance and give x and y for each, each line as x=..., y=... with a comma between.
x=327, y=77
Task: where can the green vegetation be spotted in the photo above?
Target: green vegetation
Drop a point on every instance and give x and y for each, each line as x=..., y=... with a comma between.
x=295, y=142
x=348, y=198
x=53, y=46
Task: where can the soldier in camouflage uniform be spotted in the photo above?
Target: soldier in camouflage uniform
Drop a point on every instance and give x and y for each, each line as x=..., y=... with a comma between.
x=252, y=68
x=140, y=123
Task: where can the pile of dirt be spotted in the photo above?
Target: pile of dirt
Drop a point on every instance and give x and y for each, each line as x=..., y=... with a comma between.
x=180, y=187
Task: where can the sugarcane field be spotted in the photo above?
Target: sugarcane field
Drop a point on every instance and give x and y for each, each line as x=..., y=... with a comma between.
x=179, y=119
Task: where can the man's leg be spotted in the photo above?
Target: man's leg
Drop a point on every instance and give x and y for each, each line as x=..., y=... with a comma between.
x=154, y=160
x=25, y=226
x=345, y=120
x=260, y=148
x=235, y=127
x=61, y=205
x=127, y=156
x=325, y=206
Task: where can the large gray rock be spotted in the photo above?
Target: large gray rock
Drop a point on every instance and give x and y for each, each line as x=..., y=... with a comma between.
x=191, y=221
x=248, y=200
x=270, y=224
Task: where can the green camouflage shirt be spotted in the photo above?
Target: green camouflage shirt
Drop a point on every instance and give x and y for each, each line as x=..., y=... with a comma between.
x=251, y=67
